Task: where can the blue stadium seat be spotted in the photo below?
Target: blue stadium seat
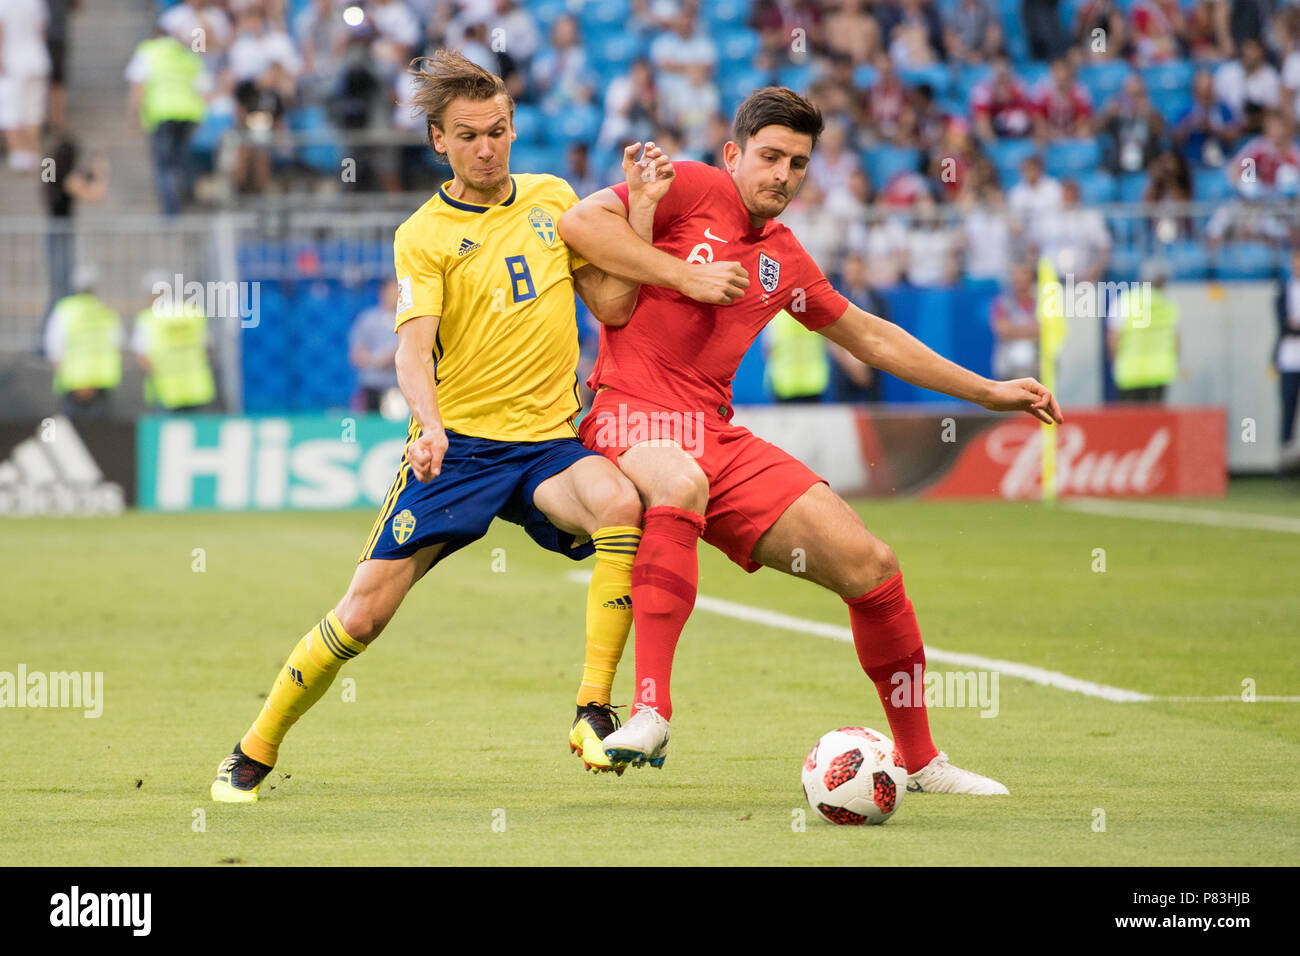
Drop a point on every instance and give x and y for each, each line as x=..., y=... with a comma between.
x=864, y=76
x=937, y=75
x=1033, y=72
x=207, y=137
x=737, y=85
x=598, y=13
x=322, y=154
x=1015, y=40
x=1103, y=80
x=1174, y=75
x=538, y=159
x=951, y=106
x=971, y=76
x=1247, y=260
x=577, y=122
x=1068, y=158
x=1125, y=262
x=797, y=77
x=1131, y=186
x=1008, y=154
x=1171, y=104
x=611, y=54
x=546, y=12
x=529, y=124
x=1210, y=184
x=729, y=13
x=1187, y=259
x=883, y=163
x=1096, y=186
x=737, y=47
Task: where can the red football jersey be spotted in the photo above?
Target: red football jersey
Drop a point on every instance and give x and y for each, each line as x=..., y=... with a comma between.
x=683, y=354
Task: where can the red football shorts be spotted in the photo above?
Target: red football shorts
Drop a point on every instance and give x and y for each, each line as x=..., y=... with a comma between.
x=751, y=482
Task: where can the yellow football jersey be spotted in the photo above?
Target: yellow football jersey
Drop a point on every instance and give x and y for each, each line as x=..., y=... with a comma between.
x=501, y=280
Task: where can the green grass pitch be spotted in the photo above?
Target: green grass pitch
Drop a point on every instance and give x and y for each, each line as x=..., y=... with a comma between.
x=454, y=749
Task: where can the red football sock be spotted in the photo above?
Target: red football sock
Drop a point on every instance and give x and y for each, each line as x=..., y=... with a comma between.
x=888, y=641
x=665, y=579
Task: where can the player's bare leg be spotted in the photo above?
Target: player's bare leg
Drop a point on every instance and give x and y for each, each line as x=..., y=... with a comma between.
x=664, y=582
x=592, y=499
x=836, y=550
x=377, y=590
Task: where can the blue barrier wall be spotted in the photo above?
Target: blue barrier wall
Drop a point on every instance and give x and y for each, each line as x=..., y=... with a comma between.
x=296, y=358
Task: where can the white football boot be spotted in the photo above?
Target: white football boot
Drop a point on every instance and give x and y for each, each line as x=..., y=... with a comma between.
x=939, y=776
x=642, y=740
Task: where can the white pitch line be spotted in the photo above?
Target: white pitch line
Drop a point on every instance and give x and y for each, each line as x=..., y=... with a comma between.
x=1036, y=675
x=1181, y=514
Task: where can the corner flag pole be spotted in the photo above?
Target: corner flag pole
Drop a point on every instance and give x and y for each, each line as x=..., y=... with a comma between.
x=1051, y=335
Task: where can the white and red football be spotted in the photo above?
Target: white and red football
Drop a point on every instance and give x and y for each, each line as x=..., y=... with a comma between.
x=853, y=776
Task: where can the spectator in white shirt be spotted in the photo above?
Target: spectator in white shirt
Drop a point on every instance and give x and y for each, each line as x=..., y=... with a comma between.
x=201, y=23
x=561, y=72
x=932, y=246
x=1249, y=80
x=24, y=79
x=1074, y=238
x=988, y=238
x=1035, y=196
x=817, y=232
x=833, y=163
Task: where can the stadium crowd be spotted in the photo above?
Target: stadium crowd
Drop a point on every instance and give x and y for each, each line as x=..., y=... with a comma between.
x=962, y=135
x=964, y=138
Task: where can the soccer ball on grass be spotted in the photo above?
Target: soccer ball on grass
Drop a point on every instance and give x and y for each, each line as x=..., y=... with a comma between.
x=853, y=776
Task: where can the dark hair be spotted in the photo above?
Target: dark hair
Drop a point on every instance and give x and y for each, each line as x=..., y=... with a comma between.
x=446, y=76
x=776, y=106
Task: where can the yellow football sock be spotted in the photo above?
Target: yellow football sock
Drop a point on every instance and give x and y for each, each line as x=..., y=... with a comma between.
x=609, y=610
x=307, y=674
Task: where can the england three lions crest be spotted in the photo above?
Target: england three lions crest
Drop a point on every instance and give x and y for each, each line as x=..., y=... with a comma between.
x=542, y=224
x=769, y=272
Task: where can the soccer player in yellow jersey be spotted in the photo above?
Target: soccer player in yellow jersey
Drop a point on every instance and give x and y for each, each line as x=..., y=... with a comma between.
x=486, y=358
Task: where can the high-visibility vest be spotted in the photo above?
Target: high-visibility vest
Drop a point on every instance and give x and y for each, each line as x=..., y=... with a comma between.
x=169, y=92
x=177, y=350
x=797, y=363
x=1147, y=352
x=92, y=357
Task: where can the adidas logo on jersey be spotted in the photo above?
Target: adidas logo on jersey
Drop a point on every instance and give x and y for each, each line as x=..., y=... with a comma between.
x=467, y=246
x=620, y=604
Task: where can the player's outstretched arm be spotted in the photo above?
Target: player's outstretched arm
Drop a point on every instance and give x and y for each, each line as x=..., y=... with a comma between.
x=415, y=376
x=599, y=228
x=612, y=299
x=889, y=348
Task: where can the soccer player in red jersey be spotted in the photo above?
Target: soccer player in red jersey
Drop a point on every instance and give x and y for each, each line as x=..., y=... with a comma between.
x=663, y=408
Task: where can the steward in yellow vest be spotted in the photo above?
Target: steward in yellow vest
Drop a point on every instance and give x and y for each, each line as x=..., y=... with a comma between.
x=1143, y=339
x=798, y=368
x=172, y=348
x=83, y=340
x=167, y=79
x=168, y=87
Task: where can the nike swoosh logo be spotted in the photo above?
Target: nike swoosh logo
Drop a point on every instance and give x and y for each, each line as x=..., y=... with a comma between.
x=709, y=235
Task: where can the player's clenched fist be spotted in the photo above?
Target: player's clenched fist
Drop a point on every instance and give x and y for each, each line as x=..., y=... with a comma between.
x=1024, y=395
x=425, y=455
x=714, y=283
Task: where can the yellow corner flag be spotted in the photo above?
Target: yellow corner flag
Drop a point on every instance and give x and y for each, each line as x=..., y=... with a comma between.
x=1051, y=336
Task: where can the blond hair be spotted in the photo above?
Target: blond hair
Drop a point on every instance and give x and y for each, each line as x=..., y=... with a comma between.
x=447, y=76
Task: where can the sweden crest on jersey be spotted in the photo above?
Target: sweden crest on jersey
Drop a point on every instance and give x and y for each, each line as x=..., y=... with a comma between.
x=403, y=525
x=769, y=272
x=542, y=224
